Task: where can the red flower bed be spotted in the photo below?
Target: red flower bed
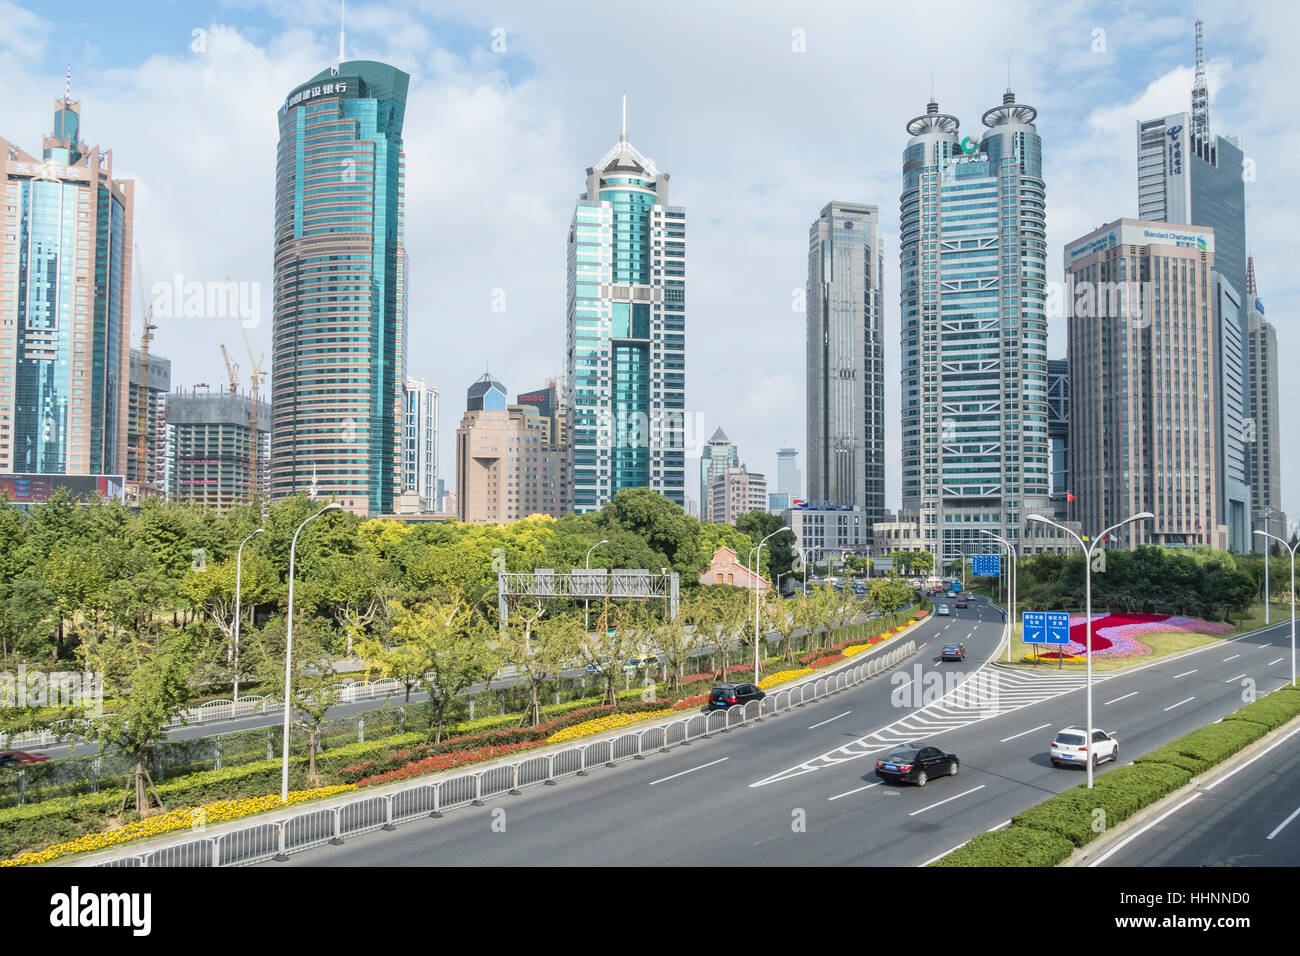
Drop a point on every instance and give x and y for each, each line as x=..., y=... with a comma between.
x=828, y=659
x=697, y=701
x=447, y=761
x=1079, y=632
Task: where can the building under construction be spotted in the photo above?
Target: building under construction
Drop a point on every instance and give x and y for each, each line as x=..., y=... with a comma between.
x=211, y=447
x=146, y=427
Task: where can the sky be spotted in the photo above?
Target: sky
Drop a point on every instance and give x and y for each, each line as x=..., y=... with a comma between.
x=761, y=112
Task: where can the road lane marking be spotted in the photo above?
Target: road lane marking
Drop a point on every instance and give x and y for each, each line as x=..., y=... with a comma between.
x=685, y=772
x=1232, y=680
x=1118, y=699
x=1232, y=658
x=1129, y=839
x=1014, y=736
x=852, y=792
x=1179, y=704
x=944, y=853
x=1267, y=644
x=949, y=800
x=825, y=722
x=1184, y=673
x=1278, y=661
x=1293, y=815
x=1001, y=826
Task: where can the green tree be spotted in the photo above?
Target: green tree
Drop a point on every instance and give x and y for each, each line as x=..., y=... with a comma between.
x=311, y=671
x=539, y=648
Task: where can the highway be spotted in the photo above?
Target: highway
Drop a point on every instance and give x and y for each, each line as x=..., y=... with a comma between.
x=799, y=788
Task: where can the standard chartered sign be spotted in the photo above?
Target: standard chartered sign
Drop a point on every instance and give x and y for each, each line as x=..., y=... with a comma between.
x=1142, y=234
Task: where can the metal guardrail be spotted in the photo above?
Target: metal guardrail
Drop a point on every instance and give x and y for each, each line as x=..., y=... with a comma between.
x=264, y=839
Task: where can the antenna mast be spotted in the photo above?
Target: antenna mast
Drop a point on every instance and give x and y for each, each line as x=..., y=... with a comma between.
x=1200, y=92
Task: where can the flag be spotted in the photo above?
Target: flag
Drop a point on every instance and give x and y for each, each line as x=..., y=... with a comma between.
x=1069, y=496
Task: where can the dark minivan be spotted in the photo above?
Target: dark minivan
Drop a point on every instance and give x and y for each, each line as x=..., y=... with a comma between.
x=729, y=695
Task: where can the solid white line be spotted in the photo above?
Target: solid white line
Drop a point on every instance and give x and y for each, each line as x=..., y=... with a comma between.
x=1129, y=839
x=1232, y=658
x=1267, y=644
x=1014, y=736
x=944, y=853
x=825, y=722
x=1278, y=661
x=1253, y=759
x=949, y=800
x=1000, y=826
x=1231, y=680
x=852, y=792
x=685, y=772
x=1179, y=704
x=1184, y=673
x=1118, y=699
x=1293, y=815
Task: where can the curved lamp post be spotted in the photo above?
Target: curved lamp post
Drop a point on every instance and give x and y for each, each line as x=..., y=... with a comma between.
x=758, y=563
x=239, y=559
x=1292, y=551
x=1011, y=586
x=586, y=604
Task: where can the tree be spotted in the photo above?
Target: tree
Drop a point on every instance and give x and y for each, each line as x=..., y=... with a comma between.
x=311, y=671
x=778, y=554
x=721, y=612
x=539, y=648
x=783, y=616
x=888, y=596
x=674, y=640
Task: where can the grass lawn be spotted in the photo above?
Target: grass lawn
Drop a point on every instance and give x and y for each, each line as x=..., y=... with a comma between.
x=1161, y=644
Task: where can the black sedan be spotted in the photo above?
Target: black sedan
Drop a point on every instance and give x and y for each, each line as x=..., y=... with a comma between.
x=916, y=763
x=729, y=695
x=953, y=652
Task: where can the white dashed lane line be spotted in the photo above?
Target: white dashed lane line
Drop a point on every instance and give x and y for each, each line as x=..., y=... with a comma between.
x=1024, y=733
x=1185, y=673
x=1232, y=658
x=1118, y=699
x=828, y=720
x=852, y=792
x=1278, y=661
x=685, y=772
x=949, y=800
x=1179, y=704
x=1233, y=680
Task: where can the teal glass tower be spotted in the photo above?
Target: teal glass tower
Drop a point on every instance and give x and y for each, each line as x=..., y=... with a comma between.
x=626, y=329
x=973, y=259
x=339, y=327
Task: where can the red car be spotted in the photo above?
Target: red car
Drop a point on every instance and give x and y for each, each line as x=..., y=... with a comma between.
x=9, y=758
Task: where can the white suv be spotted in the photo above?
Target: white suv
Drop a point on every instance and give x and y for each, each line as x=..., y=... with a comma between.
x=1070, y=747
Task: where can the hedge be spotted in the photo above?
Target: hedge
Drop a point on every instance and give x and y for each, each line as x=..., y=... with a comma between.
x=1204, y=748
x=1015, y=846
x=1272, y=711
x=1120, y=794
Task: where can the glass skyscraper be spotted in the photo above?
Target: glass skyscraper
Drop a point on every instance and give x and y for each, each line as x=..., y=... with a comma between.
x=846, y=359
x=339, y=346
x=973, y=258
x=65, y=323
x=626, y=325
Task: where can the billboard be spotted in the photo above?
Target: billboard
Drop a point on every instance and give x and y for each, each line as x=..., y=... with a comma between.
x=35, y=489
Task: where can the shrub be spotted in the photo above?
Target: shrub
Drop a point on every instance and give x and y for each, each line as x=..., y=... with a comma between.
x=1014, y=846
x=1120, y=794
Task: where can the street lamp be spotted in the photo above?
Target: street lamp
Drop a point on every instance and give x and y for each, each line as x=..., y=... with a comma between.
x=239, y=559
x=288, y=653
x=1087, y=584
x=1292, y=551
x=1011, y=586
x=1267, y=514
x=586, y=604
x=758, y=563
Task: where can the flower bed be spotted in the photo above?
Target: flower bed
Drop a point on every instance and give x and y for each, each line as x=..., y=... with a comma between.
x=601, y=724
x=1117, y=636
x=170, y=822
x=781, y=677
x=447, y=761
x=699, y=700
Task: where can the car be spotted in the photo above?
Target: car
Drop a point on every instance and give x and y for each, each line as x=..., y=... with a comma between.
x=638, y=663
x=916, y=763
x=729, y=695
x=11, y=758
x=953, y=652
x=599, y=665
x=943, y=611
x=1069, y=747
x=962, y=602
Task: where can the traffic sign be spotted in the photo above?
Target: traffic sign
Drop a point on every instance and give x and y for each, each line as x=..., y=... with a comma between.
x=1045, y=627
x=1058, y=627
x=986, y=565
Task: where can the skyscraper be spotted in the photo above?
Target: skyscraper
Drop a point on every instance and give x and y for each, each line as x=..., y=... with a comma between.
x=973, y=258
x=212, y=447
x=626, y=324
x=718, y=454
x=420, y=442
x=1263, y=439
x=1058, y=433
x=787, y=473
x=65, y=317
x=846, y=358
x=146, y=434
x=339, y=331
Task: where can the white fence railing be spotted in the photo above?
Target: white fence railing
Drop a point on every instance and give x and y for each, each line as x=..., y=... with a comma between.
x=263, y=839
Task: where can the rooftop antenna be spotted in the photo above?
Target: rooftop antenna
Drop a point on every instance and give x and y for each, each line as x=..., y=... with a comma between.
x=1200, y=92
x=343, y=10
x=67, y=86
x=623, y=135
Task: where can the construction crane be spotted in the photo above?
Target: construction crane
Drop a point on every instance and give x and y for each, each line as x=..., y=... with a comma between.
x=256, y=377
x=232, y=370
x=143, y=474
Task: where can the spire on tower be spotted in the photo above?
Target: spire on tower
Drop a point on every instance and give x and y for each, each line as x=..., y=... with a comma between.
x=343, y=10
x=623, y=135
x=1200, y=92
x=1251, y=291
x=67, y=86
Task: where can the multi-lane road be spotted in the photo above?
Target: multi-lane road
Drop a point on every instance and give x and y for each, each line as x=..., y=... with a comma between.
x=799, y=788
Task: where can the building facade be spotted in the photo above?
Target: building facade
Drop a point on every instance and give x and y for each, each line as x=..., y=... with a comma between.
x=420, y=442
x=846, y=358
x=65, y=321
x=789, y=481
x=339, y=324
x=1144, y=350
x=719, y=454
x=1058, y=434
x=626, y=332
x=146, y=431
x=212, y=438
x=973, y=259
x=1263, y=439
x=735, y=491
x=827, y=532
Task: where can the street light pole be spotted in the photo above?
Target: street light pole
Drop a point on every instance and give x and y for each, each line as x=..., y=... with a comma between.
x=1267, y=514
x=1292, y=552
x=239, y=558
x=288, y=654
x=758, y=563
x=586, y=604
x=1011, y=587
x=1087, y=584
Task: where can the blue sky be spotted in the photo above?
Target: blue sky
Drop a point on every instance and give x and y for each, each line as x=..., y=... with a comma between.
x=756, y=134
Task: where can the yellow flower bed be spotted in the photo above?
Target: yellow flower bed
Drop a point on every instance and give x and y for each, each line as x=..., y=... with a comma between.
x=185, y=819
x=1029, y=658
x=780, y=677
x=600, y=724
x=854, y=649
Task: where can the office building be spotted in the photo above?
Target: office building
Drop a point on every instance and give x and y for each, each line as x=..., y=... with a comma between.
x=846, y=358
x=150, y=380
x=826, y=530
x=65, y=320
x=1263, y=439
x=1058, y=434
x=718, y=454
x=735, y=491
x=1144, y=348
x=1234, y=510
x=789, y=481
x=511, y=460
x=626, y=325
x=973, y=260
x=420, y=444
x=212, y=437
x=339, y=325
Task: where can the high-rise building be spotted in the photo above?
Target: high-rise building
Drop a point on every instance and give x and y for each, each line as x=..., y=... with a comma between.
x=1058, y=434
x=1144, y=349
x=734, y=492
x=973, y=258
x=211, y=441
x=511, y=460
x=339, y=329
x=846, y=358
x=1230, y=394
x=65, y=318
x=718, y=454
x=1263, y=440
x=420, y=442
x=146, y=430
x=626, y=325
x=788, y=479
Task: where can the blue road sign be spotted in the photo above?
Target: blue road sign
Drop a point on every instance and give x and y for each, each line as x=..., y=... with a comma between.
x=1046, y=627
x=1034, y=627
x=1058, y=627
x=986, y=565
